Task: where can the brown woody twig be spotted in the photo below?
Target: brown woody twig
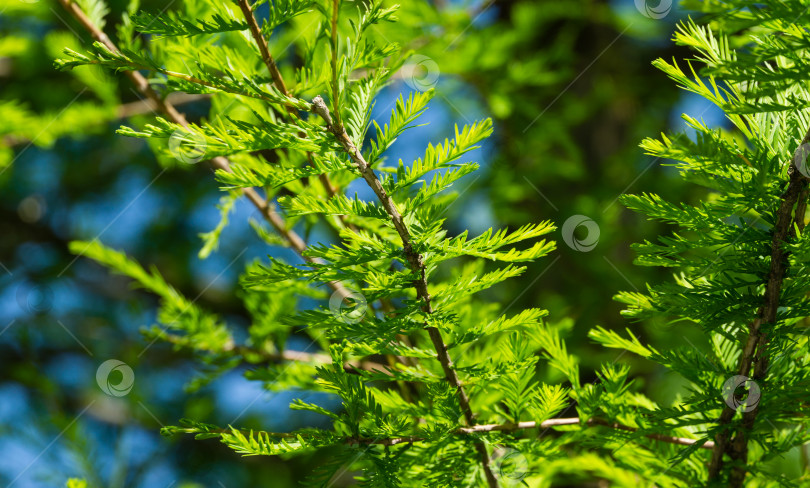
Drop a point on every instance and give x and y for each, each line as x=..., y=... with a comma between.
x=416, y=263
x=754, y=353
x=485, y=428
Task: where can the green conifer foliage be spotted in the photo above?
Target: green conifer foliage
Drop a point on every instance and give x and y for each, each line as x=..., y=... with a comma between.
x=739, y=256
x=452, y=362
x=439, y=387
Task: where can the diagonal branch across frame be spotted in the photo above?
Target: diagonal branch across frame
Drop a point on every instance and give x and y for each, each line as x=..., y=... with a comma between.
x=417, y=265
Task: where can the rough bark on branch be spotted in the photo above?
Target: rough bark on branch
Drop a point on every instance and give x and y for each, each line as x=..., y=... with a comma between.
x=755, y=354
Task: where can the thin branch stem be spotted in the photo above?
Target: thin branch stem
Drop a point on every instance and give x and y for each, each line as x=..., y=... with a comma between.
x=488, y=428
x=127, y=110
x=314, y=358
x=146, y=106
x=278, y=81
x=484, y=428
x=417, y=265
x=186, y=77
x=256, y=32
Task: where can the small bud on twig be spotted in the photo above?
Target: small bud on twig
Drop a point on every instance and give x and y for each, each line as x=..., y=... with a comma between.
x=320, y=108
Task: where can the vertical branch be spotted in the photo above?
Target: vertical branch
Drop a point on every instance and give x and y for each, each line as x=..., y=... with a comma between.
x=278, y=80
x=755, y=353
x=417, y=265
x=256, y=32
